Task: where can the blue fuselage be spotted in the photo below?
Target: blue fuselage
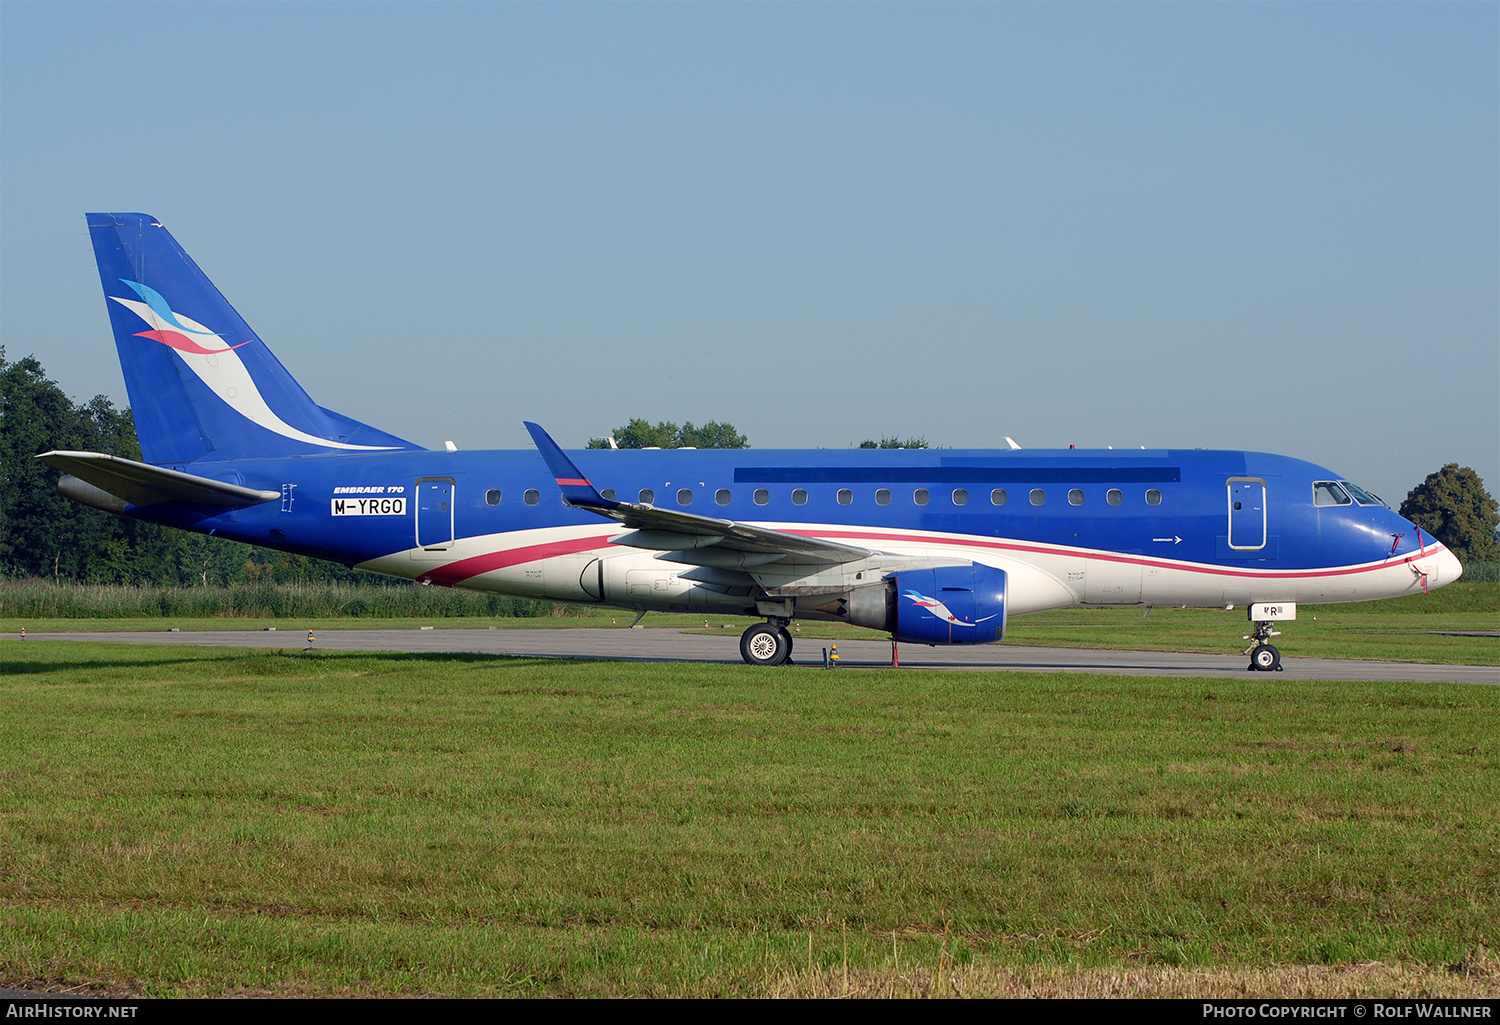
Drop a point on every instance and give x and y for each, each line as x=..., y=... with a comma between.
x=1169, y=507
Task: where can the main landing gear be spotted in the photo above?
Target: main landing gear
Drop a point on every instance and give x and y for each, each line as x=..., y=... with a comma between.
x=767, y=644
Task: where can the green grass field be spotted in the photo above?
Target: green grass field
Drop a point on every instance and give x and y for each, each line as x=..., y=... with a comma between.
x=1419, y=628
x=214, y=821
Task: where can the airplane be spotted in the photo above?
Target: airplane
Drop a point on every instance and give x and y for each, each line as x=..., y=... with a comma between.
x=933, y=546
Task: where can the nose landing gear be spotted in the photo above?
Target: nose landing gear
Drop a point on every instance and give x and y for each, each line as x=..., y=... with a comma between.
x=1264, y=658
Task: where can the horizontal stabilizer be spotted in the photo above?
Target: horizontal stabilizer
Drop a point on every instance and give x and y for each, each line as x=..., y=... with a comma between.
x=143, y=484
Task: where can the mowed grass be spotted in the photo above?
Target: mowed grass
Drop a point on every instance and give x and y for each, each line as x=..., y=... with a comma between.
x=1417, y=628
x=213, y=821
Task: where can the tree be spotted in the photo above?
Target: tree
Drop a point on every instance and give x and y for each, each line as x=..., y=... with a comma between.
x=1454, y=507
x=665, y=434
x=892, y=441
x=45, y=535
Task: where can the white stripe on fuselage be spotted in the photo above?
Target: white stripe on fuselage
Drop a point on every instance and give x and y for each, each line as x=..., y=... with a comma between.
x=1042, y=576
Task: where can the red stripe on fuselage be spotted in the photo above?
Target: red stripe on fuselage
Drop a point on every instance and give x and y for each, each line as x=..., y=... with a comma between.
x=1036, y=549
x=463, y=569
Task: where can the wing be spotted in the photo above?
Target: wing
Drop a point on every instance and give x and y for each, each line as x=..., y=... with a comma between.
x=700, y=537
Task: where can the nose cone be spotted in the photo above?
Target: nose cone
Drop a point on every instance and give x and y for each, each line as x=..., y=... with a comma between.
x=1423, y=552
x=1449, y=568
x=1440, y=567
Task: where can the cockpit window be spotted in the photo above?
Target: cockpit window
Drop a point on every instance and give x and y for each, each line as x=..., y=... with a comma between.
x=1361, y=496
x=1326, y=492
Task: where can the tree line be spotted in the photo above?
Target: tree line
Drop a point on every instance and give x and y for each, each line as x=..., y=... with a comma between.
x=640, y=433
x=45, y=535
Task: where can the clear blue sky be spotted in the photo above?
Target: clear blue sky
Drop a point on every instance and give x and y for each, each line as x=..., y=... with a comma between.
x=1265, y=226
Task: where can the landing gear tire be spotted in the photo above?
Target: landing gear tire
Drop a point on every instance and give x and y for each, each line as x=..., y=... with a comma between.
x=1265, y=659
x=765, y=645
x=787, y=634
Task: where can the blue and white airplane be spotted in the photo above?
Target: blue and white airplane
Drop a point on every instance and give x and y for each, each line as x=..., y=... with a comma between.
x=933, y=546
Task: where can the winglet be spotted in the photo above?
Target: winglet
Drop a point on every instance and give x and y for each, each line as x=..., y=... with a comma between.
x=575, y=486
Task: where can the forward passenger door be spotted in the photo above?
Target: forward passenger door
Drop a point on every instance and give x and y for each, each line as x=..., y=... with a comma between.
x=1247, y=513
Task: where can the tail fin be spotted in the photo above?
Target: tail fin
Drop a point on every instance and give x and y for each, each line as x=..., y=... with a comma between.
x=202, y=386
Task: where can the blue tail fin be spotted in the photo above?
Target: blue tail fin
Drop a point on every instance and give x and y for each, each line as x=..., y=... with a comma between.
x=202, y=386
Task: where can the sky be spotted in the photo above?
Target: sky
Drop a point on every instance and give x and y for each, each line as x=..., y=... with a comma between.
x=1250, y=226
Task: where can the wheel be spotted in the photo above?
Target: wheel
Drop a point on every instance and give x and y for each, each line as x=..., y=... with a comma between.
x=1266, y=659
x=787, y=636
x=764, y=645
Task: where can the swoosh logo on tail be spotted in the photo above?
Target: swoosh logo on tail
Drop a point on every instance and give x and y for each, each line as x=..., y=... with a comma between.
x=183, y=343
x=218, y=366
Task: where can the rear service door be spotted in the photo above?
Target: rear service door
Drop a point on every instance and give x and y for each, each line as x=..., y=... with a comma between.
x=435, y=513
x=1247, y=513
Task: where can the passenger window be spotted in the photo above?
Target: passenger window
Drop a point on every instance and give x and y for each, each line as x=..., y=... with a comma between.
x=1038, y=496
x=845, y=496
x=722, y=496
x=960, y=496
x=1075, y=497
x=492, y=497
x=997, y=497
x=1114, y=496
x=684, y=496
x=1153, y=497
x=920, y=496
x=532, y=496
x=647, y=496
x=1326, y=492
x=608, y=494
x=799, y=497
x=762, y=496
x=883, y=497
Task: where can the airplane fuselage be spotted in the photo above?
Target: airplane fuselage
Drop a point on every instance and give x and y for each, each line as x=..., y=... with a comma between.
x=1117, y=527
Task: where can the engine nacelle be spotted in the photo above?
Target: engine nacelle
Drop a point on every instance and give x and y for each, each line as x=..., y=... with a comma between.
x=946, y=605
x=950, y=605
